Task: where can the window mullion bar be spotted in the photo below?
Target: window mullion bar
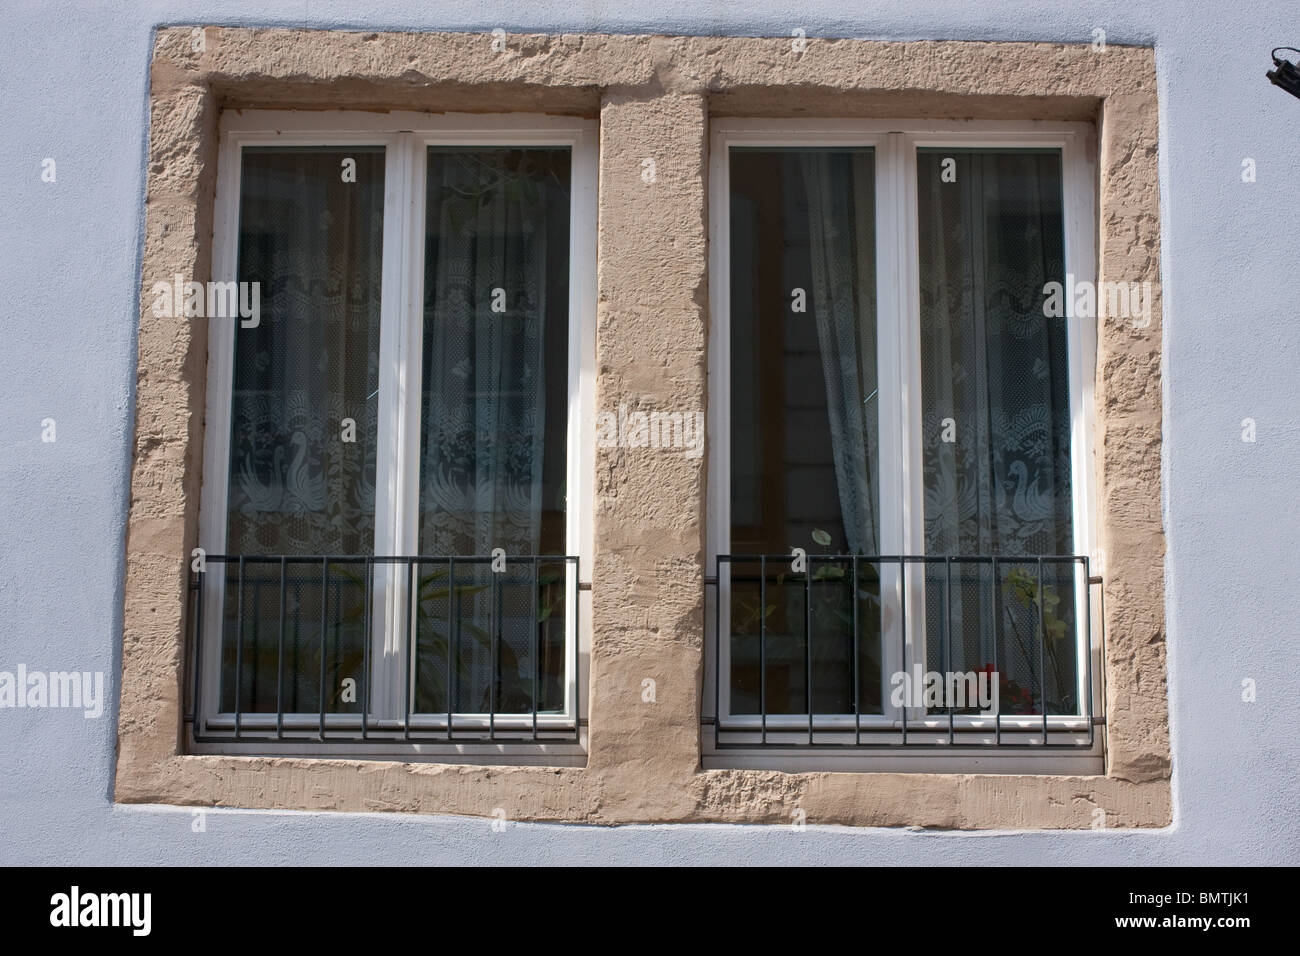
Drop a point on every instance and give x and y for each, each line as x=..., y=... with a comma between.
x=909, y=355
x=890, y=376
x=398, y=422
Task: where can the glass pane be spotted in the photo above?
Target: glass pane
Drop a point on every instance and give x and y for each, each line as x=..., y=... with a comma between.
x=303, y=423
x=996, y=421
x=804, y=427
x=494, y=423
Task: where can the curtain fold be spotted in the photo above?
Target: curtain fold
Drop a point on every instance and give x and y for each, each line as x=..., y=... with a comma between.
x=844, y=312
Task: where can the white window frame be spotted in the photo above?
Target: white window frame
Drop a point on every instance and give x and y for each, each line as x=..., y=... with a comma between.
x=406, y=137
x=895, y=144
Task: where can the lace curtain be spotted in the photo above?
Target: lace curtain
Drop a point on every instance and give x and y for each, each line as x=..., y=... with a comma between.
x=496, y=289
x=495, y=354
x=995, y=416
x=302, y=480
x=995, y=405
x=484, y=394
x=313, y=243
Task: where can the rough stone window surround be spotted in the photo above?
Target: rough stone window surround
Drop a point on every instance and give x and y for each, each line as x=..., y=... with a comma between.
x=654, y=97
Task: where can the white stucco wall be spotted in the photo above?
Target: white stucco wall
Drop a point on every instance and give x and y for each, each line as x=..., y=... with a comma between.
x=74, y=87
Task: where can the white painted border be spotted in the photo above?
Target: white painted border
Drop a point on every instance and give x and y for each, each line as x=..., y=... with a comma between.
x=406, y=136
x=898, y=276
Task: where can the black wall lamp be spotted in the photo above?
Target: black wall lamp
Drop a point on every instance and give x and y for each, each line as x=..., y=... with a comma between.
x=1286, y=75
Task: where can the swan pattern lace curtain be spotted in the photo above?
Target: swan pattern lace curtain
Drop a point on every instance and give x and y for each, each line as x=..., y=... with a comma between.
x=996, y=420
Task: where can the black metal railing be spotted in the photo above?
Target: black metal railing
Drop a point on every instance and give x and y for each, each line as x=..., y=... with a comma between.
x=822, y=651
x=475, y=648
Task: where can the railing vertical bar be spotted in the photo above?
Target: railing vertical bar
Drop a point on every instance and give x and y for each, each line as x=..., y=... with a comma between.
x=1101, y=651
x=807, y=644
x=494, y=650
x=762, y=645
x=453, y=614
x=279, y=657
x=996, y=676
x=537, y=644
x=717, y=652
x=1087, y=642
x=947, y=645
x=902, y=617
x=338, y=640
x=1042, y=650
x=408, y=648
x=857, y=709
x=257, y=634
x=365, y=650
x=324, y=636
x=198, y=653
x=297, y=641
x=239, y=643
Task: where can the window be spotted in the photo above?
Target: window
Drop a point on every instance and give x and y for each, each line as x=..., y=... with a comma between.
x=656, y=512
x=395, y=482
x=901, y=439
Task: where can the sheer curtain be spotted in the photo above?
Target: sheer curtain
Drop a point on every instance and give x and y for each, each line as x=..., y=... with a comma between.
x=841, y=231
x=839, y=190
x=995, y=400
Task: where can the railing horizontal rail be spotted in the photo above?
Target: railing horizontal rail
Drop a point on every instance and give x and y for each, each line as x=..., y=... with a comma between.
x=821, y=651
x=383, y=649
